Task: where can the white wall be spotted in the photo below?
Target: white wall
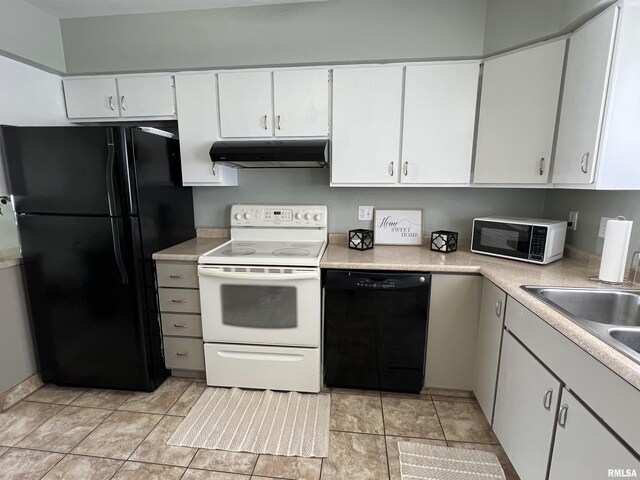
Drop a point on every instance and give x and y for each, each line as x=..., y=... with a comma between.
x=29, y=33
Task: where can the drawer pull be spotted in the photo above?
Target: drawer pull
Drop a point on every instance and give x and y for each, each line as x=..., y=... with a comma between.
x=179, y=300
x=183, y=354
x=180, y=325
x=176, y=276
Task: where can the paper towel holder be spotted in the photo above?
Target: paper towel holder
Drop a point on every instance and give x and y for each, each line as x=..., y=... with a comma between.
x=624, y=283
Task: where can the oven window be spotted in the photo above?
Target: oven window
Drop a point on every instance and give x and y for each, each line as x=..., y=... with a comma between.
x=255, y=306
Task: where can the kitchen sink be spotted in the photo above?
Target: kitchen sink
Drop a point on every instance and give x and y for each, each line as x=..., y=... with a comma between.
x=611, y=315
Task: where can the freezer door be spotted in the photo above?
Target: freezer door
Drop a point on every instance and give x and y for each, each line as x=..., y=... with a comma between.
x=87, y=313
x=63, y=170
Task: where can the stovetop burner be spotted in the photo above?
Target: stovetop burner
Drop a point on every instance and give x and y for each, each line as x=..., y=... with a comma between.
x=238, y=252
x=291, y=252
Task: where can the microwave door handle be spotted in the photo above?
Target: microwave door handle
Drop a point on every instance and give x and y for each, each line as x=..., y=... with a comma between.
x=207, y=272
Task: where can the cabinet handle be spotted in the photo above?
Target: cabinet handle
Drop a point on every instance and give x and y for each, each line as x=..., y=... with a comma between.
x=562, y=415
x=124, y=107
x=391, y=169
x=183, y=354
x=111, y=102
x=179, y=300
x=584, y=162
x=176, y=276
x=278, y=122
x=546, y=400
x=498, y=309
x=406, y=168
x=541, y=170
x=180, y=325
x=264, y=121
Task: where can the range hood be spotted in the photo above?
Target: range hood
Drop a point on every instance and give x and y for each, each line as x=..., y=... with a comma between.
x=271, y=153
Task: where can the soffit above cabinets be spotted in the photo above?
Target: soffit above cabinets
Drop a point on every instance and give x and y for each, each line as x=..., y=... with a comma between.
x=83, y=8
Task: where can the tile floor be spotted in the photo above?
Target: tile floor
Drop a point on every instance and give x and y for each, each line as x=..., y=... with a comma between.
x=68, y=433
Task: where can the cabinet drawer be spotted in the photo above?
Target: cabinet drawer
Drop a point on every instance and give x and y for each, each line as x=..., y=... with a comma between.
x=179, y=300
x=174, y=274
x=183, y=353
x=182, y=325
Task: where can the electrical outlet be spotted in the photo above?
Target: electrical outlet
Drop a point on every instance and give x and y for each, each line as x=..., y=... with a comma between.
x=603, y=226
x=573, y=221
x=365, y=213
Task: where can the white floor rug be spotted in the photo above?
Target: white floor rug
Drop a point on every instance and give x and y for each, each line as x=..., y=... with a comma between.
x=258, y=421
x=419, y=461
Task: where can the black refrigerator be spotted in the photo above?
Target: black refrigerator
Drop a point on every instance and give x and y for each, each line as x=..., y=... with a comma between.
x=92, y=205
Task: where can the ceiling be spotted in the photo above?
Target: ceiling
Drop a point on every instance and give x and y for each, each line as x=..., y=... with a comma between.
x=98, y=8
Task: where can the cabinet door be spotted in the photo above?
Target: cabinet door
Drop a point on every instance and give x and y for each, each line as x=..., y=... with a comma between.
x=518, y=108
x=198, y=127
x=583, y=100
x=245, y=104
x=439, y=118
x=367, y=104
x=91, y=98
x=301, y=100
x=584, y=448
x=490, y=330
x=149, y=96
x=524, y=414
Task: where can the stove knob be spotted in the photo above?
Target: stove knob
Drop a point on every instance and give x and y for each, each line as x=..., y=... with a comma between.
x=238, y=216
x=317, y=217
x=307, y=216
x=247, y=215
x=298, y=215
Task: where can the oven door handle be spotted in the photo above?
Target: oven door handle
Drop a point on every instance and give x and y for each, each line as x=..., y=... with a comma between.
x=209, y=272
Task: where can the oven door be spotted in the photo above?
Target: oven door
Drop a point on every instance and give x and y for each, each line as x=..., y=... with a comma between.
x=260, y=305
x=510, y=240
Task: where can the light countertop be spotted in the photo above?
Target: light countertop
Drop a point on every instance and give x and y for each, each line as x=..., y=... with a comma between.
x=10, y=257
x=509, y=275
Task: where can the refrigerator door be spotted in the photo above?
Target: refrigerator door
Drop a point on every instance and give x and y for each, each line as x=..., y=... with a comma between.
x=87, y=311
x=163, y=205
x=63, y=170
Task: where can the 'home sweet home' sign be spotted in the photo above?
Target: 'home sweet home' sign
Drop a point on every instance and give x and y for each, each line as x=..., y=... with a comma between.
x=398, y=227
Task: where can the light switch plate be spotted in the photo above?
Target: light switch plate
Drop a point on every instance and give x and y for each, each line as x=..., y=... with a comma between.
x=365, y=213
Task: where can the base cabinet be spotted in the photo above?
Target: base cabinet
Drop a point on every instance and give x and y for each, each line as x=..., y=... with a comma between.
x=584, y=448
x=490, y=328
x=525, y=410
x=179, y=301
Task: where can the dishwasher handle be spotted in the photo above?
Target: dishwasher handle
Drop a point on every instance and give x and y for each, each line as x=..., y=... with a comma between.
x=380, y=281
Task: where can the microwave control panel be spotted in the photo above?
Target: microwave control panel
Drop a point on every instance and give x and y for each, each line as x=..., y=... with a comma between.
x=538, y=243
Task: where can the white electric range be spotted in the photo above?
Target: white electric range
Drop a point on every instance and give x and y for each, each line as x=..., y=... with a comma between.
x=261, y=299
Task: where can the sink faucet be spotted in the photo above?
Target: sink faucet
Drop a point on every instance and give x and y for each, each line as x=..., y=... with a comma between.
x=635, y=266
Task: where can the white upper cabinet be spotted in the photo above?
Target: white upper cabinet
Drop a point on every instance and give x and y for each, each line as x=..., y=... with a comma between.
x=150, y=96
x=598, y=142
x=197, y=128
x=518, y=110
x=301, y=103
x=245, y=104
x=439, y=118
x=91, y=98
x=367, y=109
x=108, y=98
x=283, y=103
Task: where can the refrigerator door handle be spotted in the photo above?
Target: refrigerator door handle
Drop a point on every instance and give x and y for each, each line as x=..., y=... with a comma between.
x=117, y=250
x=111, y=157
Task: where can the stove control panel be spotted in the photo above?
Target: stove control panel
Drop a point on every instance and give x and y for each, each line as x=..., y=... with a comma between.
x=279, y=216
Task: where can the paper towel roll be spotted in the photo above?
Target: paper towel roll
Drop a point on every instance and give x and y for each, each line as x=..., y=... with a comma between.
x=614, y=252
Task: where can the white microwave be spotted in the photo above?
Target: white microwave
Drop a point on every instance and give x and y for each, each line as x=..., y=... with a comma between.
x=526, y=239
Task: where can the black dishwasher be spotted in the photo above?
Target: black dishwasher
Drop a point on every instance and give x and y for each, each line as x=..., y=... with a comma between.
x=375, y=329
